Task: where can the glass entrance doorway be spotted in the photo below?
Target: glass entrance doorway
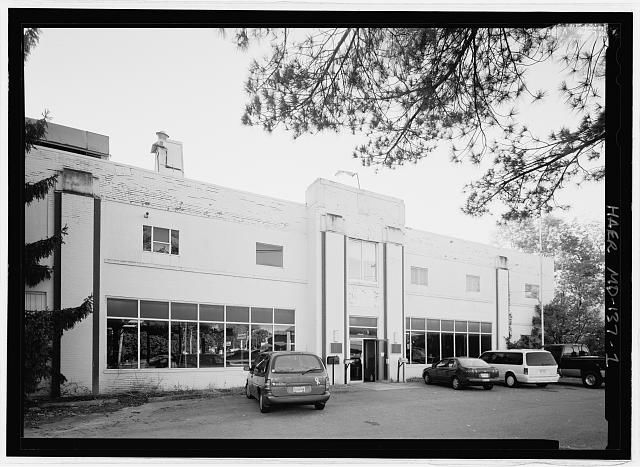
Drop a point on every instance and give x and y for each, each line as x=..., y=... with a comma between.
x=364, y=367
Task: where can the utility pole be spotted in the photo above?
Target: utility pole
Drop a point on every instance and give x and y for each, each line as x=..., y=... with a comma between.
x=540, y=286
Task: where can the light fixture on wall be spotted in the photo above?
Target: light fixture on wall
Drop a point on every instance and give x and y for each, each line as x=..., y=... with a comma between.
x=146, y=215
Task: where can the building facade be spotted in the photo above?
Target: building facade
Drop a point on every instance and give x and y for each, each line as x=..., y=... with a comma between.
x=190, y=279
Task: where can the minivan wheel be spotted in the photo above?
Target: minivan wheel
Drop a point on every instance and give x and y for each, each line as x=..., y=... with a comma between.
x=591, y=380
x=510, y=380
x=247, y=392
x=264, y=408
x=319, y=405
x=455, y=383
x=427, y=378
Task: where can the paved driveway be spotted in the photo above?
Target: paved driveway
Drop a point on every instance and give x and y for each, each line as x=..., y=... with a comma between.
x=570, y=413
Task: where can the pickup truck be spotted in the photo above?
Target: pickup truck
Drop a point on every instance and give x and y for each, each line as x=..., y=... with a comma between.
x=575, y=361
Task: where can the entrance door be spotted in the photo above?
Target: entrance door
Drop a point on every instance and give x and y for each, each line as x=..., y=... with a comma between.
x=370, y=360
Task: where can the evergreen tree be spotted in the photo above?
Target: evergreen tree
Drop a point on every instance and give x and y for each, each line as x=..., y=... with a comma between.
x=42, y=328
x=410, y=89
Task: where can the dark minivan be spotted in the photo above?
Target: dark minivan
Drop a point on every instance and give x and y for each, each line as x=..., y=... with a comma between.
x=287, y=378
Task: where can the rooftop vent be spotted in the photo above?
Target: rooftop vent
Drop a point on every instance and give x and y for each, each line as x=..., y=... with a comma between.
x=168, y=155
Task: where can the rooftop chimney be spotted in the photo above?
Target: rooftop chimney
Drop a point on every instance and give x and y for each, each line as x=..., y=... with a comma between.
x=168, y=155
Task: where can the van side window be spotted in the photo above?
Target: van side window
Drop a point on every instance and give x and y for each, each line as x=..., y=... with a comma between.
x=513, y=358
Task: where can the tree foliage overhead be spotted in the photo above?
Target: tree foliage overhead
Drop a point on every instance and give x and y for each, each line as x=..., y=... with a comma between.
x=408, y=90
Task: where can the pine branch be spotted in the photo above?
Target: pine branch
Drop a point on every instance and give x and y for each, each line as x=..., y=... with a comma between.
x=39, y=189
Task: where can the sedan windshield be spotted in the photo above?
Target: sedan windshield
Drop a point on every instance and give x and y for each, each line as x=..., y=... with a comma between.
x=296, y=364
x=472, y=362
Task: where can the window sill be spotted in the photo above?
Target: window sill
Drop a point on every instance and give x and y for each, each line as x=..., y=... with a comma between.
x=363, y=283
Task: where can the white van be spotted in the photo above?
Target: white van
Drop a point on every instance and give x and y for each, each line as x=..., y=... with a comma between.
x=523, y=366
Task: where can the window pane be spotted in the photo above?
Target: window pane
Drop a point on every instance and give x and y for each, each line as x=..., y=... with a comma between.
x=35, y=301
x=122, y=343
x=419, y=276
x=447, y=345
x=184, y=345
x=175, y=242
x=211, y=313
x=362, y=321
x=261, y=315
x=417, y=323
x=211, y=344
x=418, y=354
x=362, y=332
x=474, y=326
x=160, y=247
x=284, y=338
x=122, y=307
x=285, y=317
x=261, y=339
x=154, y=344
x=485, y=327
x=485, y=342
x=461, y=326
x=160, y=235
x=369, y=269
x=150, y=309
x=474, y=345
x=433, y=347
x=238, y=344
x=269, y=255
x=447, y=325
x=433, y=324
x=184, y=311
x=461, y=345
x=146, y=237
x=407, y=344
x=238, y=314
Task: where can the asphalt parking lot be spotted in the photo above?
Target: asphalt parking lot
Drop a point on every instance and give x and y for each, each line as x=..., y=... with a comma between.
x=567, y=412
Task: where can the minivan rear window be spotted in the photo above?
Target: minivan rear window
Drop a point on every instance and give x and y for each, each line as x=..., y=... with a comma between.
x=540, y=359
x=296, y=363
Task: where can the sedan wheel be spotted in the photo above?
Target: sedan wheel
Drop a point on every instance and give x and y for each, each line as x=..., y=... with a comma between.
x=319, y=405
x=264, y=408
x=511, y=381
x=455, y=383
x=247, y=392
x=427, y=378
x=487, y=386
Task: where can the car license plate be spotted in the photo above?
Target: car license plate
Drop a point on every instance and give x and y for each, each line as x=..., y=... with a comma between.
x=484, y=375
x=298, y=389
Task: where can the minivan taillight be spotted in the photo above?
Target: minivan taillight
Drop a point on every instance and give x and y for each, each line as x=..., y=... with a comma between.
x=526, y=371
x=267, y=385
x=327, y=382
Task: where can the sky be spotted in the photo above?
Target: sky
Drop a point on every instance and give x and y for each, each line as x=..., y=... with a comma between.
x=130, y=83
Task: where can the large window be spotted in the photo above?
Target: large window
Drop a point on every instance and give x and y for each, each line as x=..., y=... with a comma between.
x=156, y=334
x=269, y=255
x=360, y=326
x=160, y=240
x=362, y=260
x=430, y=340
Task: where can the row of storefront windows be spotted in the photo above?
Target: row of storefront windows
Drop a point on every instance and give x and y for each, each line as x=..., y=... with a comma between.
x=141, y=332
x=430, y=340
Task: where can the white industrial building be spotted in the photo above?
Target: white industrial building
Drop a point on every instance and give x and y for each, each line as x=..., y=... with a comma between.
x=190, y=278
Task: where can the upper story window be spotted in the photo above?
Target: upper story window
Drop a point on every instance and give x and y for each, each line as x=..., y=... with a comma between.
x=362, y=260
x=473, y=283
x=269, y=255
x=419, y=276
x=160, y=240
x=531, y=290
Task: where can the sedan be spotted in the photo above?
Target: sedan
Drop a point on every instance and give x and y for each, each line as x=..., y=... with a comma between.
x=460, y=372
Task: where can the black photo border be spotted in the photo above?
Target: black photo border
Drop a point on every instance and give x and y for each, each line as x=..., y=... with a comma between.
x=618, y=161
